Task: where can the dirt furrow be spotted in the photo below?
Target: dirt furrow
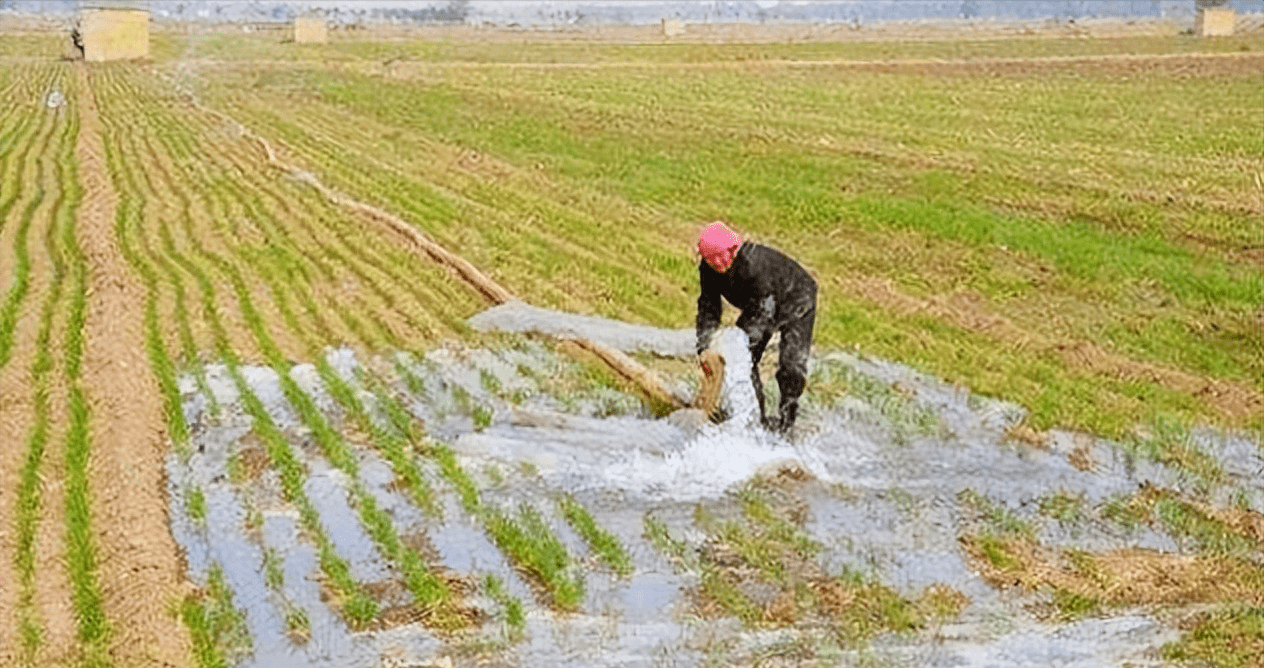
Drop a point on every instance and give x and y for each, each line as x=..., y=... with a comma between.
x=142, y=574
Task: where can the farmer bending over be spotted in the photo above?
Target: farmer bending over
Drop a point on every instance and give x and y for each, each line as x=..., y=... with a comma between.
x=774, y=294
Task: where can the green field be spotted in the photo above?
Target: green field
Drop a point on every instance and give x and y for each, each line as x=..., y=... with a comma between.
x=986, y=220
x=1070, y=225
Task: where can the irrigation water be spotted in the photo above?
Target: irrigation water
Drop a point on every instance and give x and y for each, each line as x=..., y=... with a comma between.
x=886, y=469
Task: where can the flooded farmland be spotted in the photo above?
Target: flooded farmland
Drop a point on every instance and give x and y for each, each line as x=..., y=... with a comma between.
x=887, y=530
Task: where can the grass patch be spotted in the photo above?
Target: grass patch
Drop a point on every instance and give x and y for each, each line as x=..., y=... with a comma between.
x=601, y=542
x=1231, y=637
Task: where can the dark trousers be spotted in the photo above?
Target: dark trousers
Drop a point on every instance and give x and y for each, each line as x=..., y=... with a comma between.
x=792, y=363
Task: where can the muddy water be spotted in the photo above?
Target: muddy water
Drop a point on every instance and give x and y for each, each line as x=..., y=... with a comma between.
x=883, y=501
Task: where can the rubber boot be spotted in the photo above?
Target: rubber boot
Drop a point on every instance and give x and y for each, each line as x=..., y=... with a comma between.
x=789, y=411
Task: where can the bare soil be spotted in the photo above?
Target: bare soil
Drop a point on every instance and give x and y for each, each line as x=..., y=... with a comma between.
x=141, y=572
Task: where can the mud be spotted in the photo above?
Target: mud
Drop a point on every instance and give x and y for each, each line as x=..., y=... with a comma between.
x=883, y=499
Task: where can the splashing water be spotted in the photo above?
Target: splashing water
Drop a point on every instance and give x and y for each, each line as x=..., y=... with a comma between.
x=653, y=457
x=718, y=456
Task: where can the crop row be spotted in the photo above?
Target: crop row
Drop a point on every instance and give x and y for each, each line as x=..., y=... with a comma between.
x=580, y=172
x=502, y=216
x=40, y=198
x=271, y=249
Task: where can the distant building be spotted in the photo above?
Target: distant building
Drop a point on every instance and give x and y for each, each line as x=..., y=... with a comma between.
x=311, y=30
x=1215, y=22
x=673, y=27
x=113, y=30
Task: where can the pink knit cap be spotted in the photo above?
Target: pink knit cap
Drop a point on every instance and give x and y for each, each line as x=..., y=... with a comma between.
x=717, y=240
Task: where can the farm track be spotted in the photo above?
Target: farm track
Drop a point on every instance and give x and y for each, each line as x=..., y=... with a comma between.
x=141, y=572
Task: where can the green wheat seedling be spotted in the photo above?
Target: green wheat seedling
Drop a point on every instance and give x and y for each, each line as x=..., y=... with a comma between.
x=997, y=520
x=466, y=490
x=297, y=626
x=904, y=417
x=218, y=628
x=354, y=603
x=19, y=168
x=1227, y=637
x=514, y=618
x=679, y=550
x=29, y=497
x=357, y=606
x=93, y=628
x=399, y=439
x=126, y=220
x=1021, y=241
x=713, y=582
x=431, y=592
x=601, y=542
x=373, y=265
x=429, y=589
x=197, y=617
x=531, y=544
x=195, y=502
x=1168, y=441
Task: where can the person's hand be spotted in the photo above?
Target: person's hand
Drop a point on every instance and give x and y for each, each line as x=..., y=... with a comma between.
x=710, y=362
x=712, y=365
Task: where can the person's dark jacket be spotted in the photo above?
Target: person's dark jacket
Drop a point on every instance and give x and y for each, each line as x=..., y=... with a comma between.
x=768, y=287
